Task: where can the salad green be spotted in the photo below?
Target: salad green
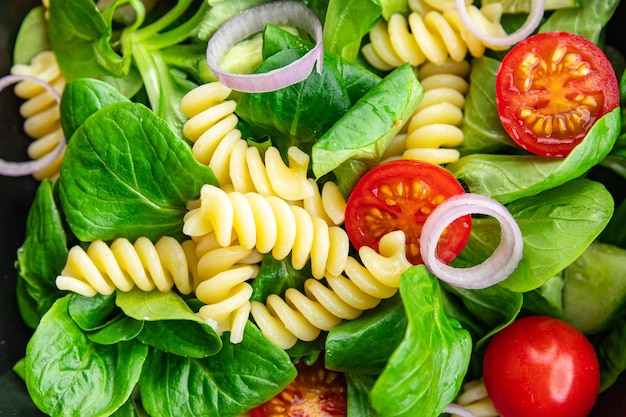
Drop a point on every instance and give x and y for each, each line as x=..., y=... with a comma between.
x=128, y=172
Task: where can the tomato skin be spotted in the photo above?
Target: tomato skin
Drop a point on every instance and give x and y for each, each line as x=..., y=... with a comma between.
x=542, y=367
x=551, y=88
x=399, y=195
x=316, y=392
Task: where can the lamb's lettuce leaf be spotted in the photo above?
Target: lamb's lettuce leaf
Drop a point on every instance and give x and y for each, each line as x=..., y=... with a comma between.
x=66, y=370
x=42, y=256
x=126, y=174
x=509, y=177
x=227, y=379
x=425, y=372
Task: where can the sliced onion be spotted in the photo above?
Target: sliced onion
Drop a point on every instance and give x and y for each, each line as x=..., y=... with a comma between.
x=253, y=21
x=494, y=269
x=537, y=8
x=458, y=410
x=18, y=169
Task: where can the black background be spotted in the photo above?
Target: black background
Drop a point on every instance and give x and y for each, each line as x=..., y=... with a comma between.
x=16, y=195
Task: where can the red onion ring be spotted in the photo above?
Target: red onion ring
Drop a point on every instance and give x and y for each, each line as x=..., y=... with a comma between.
x=494, y=269
x=458, y=410
x=254, y=20
x=18, y=169
x=537, y=8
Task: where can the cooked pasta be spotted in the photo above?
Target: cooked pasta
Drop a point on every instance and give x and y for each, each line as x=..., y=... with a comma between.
x=40, y=109
x=433, y=131
x=123, y=265
x=212, y=126
x=226, y=296
x=268, y=223
x=430, y=36
x=304, y=315
x=474, y=397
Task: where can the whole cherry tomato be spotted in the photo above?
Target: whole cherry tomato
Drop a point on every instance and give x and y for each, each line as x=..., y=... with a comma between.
x=541, y=367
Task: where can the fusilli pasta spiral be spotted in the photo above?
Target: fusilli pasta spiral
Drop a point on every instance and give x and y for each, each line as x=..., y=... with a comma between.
x=268, y=223
x=124, y=265
x=212, y=126
x=40, y=109
x=430, y=36
x=303, y=315
x=433, y=131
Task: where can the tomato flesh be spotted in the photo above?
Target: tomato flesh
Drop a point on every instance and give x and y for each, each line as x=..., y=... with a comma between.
x=541, y=367
x=551, y=88
x=316, y=392
x=400, y=195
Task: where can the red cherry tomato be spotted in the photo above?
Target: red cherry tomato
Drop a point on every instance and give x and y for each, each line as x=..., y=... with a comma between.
x=541, y=367
x=316, y=392
x=551, y=88
x=399, y=195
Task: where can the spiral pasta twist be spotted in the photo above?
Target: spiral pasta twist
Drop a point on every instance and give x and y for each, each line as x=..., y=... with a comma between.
x=433, y=131
x=268, y=223
x=430, y=36
x=212, y=126
x=40, y=109
x=124, y=265
x=304, y=315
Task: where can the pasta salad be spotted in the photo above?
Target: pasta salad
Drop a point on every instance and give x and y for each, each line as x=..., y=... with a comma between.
x=233, y=193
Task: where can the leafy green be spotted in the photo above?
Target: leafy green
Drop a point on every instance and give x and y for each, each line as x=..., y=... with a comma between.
x=43, y=254
x=184, y=333
x=32, y=37
x=82, y=98
x=300, y=113
x=509, y=177
x=177, y=386
x=80, y=37
x=65, y=371
x=349, y=344
x=276, y=276
x=347, y=21
x=596, y=280
x=359, y=387
x=425, y=372
x=386, y=107
x=493, y=308
x=126, y=174
x=88, y=45
x=482, y=130
x=588, y=20
x=557, y=225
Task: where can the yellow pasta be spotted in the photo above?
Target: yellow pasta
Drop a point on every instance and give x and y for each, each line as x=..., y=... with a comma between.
x=433, y=131
x=301, y=316
x=268, y=223
x=40, y=109
x=430, y=35
x=123, y=265
x=212, y=126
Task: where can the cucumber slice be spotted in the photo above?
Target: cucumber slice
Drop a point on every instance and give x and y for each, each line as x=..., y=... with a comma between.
x=594, y=287
x=523, y=6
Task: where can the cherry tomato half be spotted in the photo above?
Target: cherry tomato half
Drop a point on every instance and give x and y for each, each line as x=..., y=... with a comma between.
x=316, y=392
x=399, y=195
x=551, y=88
x=542, y=367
